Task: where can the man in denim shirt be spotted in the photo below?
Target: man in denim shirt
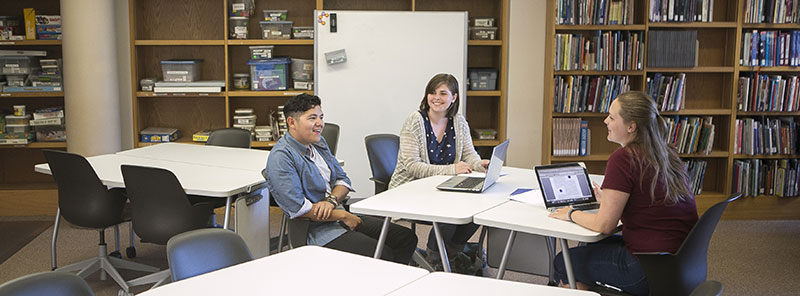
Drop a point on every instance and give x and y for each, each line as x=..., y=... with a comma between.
x=307, y=182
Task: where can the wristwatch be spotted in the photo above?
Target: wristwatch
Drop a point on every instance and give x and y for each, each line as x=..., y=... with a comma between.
x=569, y=215
x=332, y=199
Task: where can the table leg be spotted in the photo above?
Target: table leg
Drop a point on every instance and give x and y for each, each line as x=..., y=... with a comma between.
x=567, y=263
x=442, y=250
x=228, y=201
x=53, y=263
x=511, y=237
x=382, y=238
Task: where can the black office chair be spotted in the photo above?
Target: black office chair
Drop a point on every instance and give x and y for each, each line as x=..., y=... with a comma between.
x=47, y=283
x=682, y=272
x=200, y=251
x=230, y=137
x=331, y=135
x=382, y=150
x=161, y=210
x=84, y=201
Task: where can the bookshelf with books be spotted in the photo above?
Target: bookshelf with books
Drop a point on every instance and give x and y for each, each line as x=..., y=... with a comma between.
x=23, y=191
x=203, y=31
x=707, y=92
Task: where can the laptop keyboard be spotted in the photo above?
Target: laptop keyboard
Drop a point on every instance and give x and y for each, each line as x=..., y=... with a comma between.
x=586, y=207
x=469, y=183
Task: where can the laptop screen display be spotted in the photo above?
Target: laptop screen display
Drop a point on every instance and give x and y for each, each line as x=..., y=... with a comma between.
x=563, y=185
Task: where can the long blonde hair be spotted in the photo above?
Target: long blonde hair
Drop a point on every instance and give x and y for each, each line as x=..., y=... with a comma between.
x=650, y=148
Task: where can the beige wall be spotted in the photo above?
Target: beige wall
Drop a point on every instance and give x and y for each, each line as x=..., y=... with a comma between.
x=525, y=73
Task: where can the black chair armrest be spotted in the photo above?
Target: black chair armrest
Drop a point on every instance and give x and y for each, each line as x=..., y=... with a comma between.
x=378, y=181
x=298, y=231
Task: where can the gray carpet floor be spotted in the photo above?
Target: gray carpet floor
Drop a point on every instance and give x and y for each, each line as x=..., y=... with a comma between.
x=748, y=257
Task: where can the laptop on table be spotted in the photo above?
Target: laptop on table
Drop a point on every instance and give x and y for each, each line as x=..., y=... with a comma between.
x=479, y=184
x=566, y=184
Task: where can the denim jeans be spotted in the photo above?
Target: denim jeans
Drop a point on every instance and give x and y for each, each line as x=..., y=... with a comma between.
x=607, y=262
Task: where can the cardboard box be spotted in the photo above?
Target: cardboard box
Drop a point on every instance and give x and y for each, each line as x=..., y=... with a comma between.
x=30, y=23
x=159, y=135
x=201, y=136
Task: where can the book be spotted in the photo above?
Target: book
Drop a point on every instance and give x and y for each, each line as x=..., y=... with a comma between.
x=32, y=88
x=218, y=83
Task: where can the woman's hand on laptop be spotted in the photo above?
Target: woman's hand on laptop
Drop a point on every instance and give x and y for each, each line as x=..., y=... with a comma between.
x=485, y=163
x=598, y=192
x=463, y=168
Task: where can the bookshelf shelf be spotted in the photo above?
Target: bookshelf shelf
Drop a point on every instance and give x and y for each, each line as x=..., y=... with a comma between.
x=711, y=89
x=485, y=143
x=636, y=72
x=37, y=145
x=277, y=93
x=178, y=42
x=144, y=94
x=30, y=42
x=32, y=95
x=692, y=70
x=600, y=27
x=693, y=25
x=780, y=156
x=484, y=42
x=483, y=93
x=272, y=42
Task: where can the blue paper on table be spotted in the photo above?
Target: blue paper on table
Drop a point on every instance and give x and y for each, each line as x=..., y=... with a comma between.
x=520, y=190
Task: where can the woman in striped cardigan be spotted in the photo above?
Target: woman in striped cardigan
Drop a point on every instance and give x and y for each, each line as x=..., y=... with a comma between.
x=435, y=140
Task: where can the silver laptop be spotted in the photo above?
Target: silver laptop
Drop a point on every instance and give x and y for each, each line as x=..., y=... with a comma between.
x=479, y=184
x=566, y=184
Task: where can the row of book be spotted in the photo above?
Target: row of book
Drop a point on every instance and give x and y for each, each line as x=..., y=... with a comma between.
x=667, y=48
x=770, y=48
x=594, y=12
x=754, y=177
x=766, y=136
x=669, y=91
x=681, y=10
x=691, y=134
x=587, y=93
x=571, y=137
x=768, y=93
x=602, y=51
x=696, y=169
x=771, y=11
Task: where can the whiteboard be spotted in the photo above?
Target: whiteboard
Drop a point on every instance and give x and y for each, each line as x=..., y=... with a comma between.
x=391, y=55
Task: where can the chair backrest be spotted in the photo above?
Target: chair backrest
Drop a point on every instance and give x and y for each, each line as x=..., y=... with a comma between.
x=230, y=137
x=160, y=207
x=682, y=272
x=382, y=152
x=82, y=197
x=331, y=135
x=200, y=251
x=54, y=283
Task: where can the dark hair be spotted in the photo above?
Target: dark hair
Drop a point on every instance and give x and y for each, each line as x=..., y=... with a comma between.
x=299, y=104
x=650, y=146
x=433, y=84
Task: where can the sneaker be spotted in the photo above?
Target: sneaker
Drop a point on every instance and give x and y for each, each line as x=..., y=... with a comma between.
x=434, y=260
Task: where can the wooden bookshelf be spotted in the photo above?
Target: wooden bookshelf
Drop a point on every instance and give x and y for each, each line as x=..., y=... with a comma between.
x=201, y=31
x=711, y=90
x=24, y=192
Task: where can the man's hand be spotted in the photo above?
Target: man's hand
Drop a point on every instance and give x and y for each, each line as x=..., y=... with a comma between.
x=352, y=221
x=321, y=210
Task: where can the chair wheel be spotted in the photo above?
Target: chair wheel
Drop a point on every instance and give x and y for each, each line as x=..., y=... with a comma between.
x=122, y=292
x=130, y=252
x=115, y=254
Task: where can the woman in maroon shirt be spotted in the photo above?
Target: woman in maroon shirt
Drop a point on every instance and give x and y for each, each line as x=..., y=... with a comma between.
x=645, y=187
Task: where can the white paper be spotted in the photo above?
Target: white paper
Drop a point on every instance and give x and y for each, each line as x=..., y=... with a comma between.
x=533, y=197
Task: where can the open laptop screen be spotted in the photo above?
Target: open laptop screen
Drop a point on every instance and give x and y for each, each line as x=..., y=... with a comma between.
x=564, y=184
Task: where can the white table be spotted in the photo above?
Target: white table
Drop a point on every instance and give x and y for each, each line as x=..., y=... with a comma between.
x=440, y=283
x=534, y=218
x=217, y=156
x=420, y=200
x=308, y=270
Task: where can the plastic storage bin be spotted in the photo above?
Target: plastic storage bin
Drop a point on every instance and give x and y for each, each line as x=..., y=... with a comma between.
x=482, y=22
x=16, y=64
x=18, y=120
x=238, y=27
x=269, y=74
x=261, y=52
x=247, y=119
x=276, y=29
x=181, y=70
x=483, y=33
x=241, y=81
x=483, y=79
x=275, y=15
x=302, y=69
x=50, y=133
x=242, y=7
x=16, y=128
x=303, y=32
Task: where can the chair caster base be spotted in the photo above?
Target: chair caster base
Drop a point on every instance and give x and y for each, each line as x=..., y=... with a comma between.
x=122, y=292
x=115, y=254
x=130, y=252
